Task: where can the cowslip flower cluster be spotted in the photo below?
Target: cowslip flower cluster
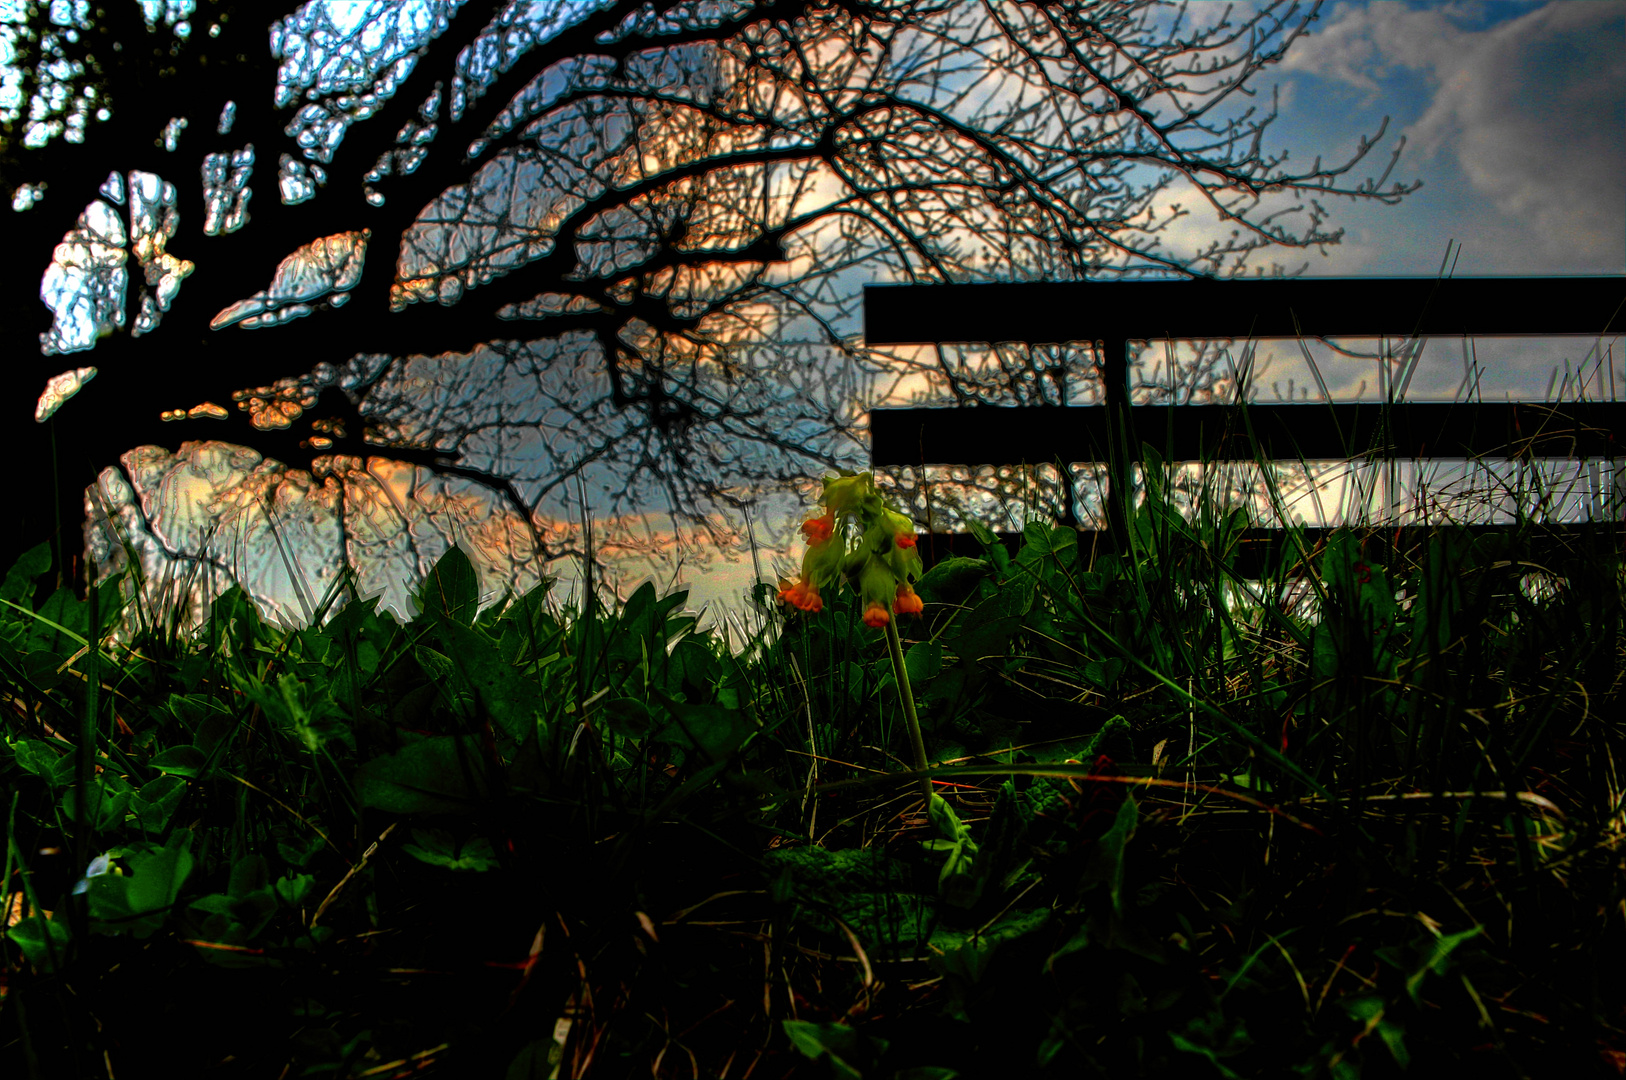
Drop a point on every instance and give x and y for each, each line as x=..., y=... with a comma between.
x=881, y=564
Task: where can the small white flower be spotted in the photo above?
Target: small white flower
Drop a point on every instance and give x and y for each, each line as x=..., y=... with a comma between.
x=101, y=864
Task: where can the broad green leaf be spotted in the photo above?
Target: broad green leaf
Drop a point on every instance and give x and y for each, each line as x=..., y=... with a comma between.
x=1103, y=673
x=18, y=586
x=249, y=874
x=1213, y=1036
x=846, y=1052
x=182, y=760
x=714, y=731
x=1042, y=545
x=512, y=701
x=1436, y=960
x=360, y=633
x=956, y=882
x=451, y=589
x=294, y=889
x=986, y=629
x=250, y=913
x=62, y=625
x=923, y=661
x=992, y=546
x=299, y=708
x=41, y=939
x=38, y=757
x=40, y=669
x=638, y=605
x=1372, y=1010
x=104, y=806
x=443, y=774
x=138, y=902
x=629, y=717
x=528, y=629
x=1107, y=857
x=300, y=855
x=435, y=847
x=967, y=954
x=154, y=804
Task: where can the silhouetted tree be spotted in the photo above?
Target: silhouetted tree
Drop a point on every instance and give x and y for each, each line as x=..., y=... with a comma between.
x=454, y=272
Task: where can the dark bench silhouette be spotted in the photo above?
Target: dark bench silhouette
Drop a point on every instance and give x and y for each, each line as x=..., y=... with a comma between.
x=1114, y=313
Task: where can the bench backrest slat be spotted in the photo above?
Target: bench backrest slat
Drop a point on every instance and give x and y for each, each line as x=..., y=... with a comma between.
x=1122, y=312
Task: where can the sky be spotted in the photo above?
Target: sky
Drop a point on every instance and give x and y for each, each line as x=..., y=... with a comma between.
x=1513, y=114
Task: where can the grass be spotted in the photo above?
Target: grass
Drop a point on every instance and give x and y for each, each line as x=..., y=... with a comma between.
x=1362, y=816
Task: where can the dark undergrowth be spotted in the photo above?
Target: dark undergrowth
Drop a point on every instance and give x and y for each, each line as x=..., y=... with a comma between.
x=1361, y=818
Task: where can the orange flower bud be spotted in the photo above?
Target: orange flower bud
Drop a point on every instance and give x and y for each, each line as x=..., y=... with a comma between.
x=819, y=530
x=801, y=594
x=906, y=539
x=908, y=601
x=791, y=592
x=875, y=615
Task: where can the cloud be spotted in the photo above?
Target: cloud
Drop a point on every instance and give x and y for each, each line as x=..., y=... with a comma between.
x=1532, y=109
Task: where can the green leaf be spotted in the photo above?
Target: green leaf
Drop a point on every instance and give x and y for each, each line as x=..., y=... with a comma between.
x=38, y=757
x=436, y=848
x=18, y=586
x=443, y=774
x=1209, y=1029
x=1103, y=673
x=992, y=546
x=985, y=630
x=1372, y=1010
x=1041, y=544
x=956, y=882
x=249, y=874
x=629, y=717
x=184, y=760
x=62, y=624
x=155, y=803
x=512, y=701
x=361, y=634
x=451, y=590
x=923, y=661
x=104, y=805
x=299, y=708
x=966, y=955
x=1106, y=862
x=528, y=629
x=847, y=1052
x=40, y=669
x=137, y=903
x=294, y=889
x=714, y=731
x=41, y=939
x=1436, y=960
x=300, y=855
x=952, y=580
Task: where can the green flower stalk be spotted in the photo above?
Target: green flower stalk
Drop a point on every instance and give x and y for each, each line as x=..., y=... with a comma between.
x=861, y=540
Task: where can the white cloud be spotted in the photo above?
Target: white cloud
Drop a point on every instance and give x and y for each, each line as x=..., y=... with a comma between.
x=1532, y=109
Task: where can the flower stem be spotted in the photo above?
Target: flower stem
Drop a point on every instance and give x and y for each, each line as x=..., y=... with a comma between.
x=906, y=696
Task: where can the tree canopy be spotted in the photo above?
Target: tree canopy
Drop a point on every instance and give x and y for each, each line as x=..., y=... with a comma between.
x=347, y=286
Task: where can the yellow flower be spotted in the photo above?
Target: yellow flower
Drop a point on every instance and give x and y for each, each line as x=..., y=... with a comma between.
x=880, y=565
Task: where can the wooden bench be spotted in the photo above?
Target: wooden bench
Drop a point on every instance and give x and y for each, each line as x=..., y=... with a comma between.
x=1115, y=313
